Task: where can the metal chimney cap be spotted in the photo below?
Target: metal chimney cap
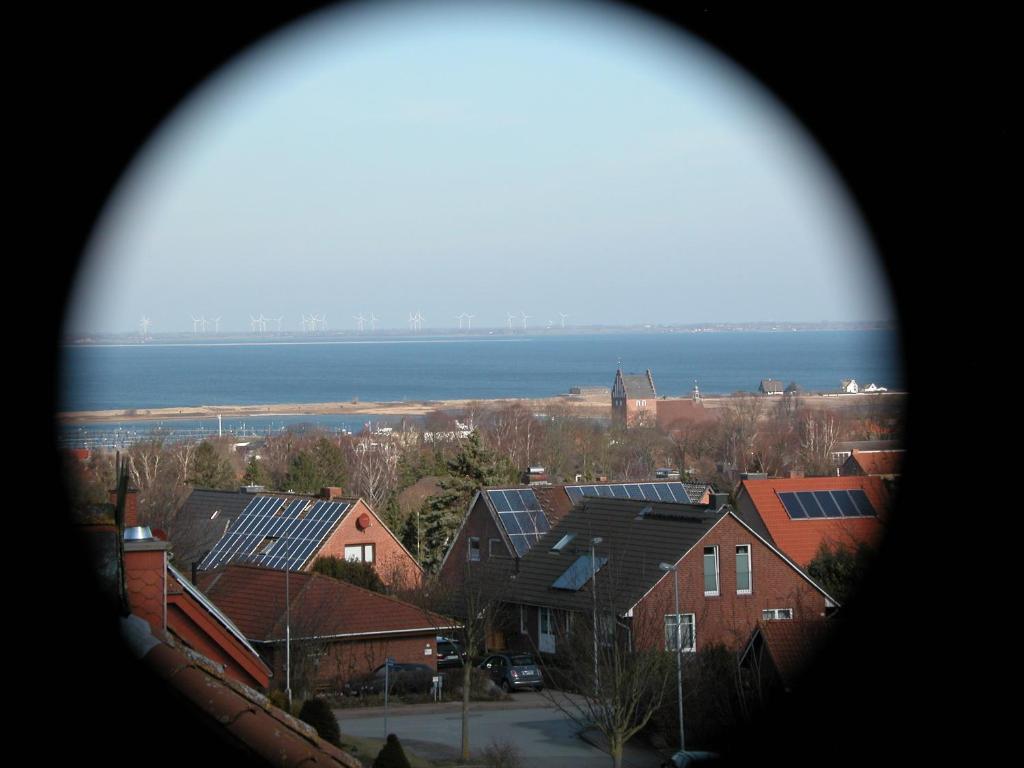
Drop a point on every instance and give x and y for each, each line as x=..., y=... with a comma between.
x=138, y=533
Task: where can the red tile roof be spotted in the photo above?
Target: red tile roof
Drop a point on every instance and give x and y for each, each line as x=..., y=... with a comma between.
x=244, y=715
x=878, y=462
x=254, y=598
x=792, y=644
x=801, y=539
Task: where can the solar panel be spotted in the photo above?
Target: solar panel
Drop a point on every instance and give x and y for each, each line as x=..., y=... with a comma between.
x=828, y=504
x=575, y=494
x=521, y=514
x=579, y=573
x=811, y=505
x=649, y=492
x=500, y=501
x=863, y=503
x=792, y=505
x=845, y=503
x=299, y=527
x=671, y=492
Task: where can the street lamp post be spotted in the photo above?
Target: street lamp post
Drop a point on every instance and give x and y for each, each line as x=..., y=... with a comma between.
x=593, y=591
x=679, y=651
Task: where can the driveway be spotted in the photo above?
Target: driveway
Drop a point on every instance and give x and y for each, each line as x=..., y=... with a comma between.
x=545, y=737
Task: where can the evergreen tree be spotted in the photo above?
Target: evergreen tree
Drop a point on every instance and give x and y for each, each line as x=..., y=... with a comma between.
x=302, y=474
x=210, y=468
x=391, y=754
x=839, y=569
x=254, y=473
x=472, y=468
x=330, y=463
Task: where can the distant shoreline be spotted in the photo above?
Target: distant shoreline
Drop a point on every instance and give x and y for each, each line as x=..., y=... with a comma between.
x=239, y=338
x=593, y=402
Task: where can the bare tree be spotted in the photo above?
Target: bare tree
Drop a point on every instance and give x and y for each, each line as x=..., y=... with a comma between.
x=372, y=465
x=612, y=674
x=477, y=600
x=819, y=433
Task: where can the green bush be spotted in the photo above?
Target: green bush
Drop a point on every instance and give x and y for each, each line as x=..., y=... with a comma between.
x=317, y=713
x=353, y=571
x=391, y=755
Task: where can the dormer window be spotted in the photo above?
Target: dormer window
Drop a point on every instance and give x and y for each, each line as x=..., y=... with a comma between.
x=266, y=546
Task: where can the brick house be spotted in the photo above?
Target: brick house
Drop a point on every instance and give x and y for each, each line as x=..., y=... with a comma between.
x=156, y=592
x=504, y=522
x=884, y=464
x=730, y=578
x=168, y=688
x=798, y=515
x=291, y=531
x=346, y=630
x=634, y=399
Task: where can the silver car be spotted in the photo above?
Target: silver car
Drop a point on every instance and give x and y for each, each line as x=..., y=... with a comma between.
x=513, y=671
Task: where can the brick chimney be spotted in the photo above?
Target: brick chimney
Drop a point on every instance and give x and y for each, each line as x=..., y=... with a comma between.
x=131, y=506
x=796, y=473
x=145, y=576
x=331, y=492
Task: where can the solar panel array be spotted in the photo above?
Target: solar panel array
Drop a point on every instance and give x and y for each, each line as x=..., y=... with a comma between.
x=522, y=516
x=579, y=573
x=674, y=492
x=277, y=533
x=832, y=504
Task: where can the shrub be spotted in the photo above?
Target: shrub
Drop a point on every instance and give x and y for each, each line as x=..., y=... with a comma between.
x=481, y=687
x=391, y=755
x=502, y=754
x=353, y=571
x=317, y=713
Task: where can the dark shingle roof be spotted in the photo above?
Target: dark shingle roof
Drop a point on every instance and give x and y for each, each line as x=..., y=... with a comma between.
x=634, y=548
x=639, y=385
x=203, y=521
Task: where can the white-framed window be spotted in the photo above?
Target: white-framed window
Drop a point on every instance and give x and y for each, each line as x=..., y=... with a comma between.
x=775, y=614
x=266, y=546
x=474, y=549
x=546, y=627
x=744, y=577
x=680, y=627
x=496, y=548
x=361, y=553
x=711, y=571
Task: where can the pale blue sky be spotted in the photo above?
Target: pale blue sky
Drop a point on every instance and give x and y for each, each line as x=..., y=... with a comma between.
x=482, y=158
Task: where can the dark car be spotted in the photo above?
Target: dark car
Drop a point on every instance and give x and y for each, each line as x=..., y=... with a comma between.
x=402, y=678
x=513, y=671
x=449, y=653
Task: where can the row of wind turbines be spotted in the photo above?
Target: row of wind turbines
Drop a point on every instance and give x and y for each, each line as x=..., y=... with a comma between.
x=313, y=323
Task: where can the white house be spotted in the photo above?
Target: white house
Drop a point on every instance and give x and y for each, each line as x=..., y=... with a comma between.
x=849, y=386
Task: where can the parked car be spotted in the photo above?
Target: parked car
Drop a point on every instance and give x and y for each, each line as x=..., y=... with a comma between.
x=449, y=653
x=402, y=678
x=513, y=671
x=687, y=758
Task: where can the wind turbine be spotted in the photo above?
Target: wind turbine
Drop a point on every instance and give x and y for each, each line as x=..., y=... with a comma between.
x=373, y=322
x=419, y=320
x=525, y=318
x=511, y=317
x=278, y=321
x=216, y=325
x=460, y=318
x=254, y=323
x=412, y=322
x=359, y=321
x=563, y=315
x=196, y=322
x=144, y=322
x=469, y=324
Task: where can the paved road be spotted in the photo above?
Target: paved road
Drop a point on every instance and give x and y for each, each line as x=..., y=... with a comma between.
x=546, y=738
